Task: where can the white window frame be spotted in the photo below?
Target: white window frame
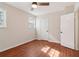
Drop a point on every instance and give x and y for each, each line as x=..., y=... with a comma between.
x=4, y=19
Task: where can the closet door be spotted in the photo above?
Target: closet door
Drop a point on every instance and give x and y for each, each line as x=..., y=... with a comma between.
x=42, y=28
x=67, y=30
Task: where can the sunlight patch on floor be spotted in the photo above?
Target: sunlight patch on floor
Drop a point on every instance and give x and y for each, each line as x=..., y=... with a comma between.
x=50, y=51
x=45, y=49
x=53, y=53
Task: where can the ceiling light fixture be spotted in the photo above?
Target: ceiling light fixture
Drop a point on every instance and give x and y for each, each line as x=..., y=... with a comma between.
x=34, y=5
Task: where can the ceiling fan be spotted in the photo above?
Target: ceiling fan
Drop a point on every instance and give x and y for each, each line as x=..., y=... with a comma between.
x=37, y=4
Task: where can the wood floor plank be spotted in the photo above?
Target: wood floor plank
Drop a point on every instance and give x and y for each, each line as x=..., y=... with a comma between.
x=40, y=48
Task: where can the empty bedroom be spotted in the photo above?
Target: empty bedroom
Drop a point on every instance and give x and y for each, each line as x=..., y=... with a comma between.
x=39, y=29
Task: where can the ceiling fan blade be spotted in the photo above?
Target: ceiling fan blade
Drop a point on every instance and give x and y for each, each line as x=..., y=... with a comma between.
x=43, y=4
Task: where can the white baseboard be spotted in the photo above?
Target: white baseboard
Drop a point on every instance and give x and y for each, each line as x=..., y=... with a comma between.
x=53, y=41
x=14, y=46
x=25, y=42
x=50, y=40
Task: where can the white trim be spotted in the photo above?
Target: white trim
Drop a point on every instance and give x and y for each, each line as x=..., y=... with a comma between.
x=15, y=45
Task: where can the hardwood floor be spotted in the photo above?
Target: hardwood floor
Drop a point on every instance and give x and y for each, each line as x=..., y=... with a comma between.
x=40, y=48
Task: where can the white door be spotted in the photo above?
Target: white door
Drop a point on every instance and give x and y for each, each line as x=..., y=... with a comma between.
x=67, y=30
x=42, y=28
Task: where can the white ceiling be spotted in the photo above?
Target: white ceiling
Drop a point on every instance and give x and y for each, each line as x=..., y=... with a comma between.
x=53, y=7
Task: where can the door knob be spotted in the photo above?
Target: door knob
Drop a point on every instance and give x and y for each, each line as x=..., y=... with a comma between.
x=47, y=31
x=61, y=32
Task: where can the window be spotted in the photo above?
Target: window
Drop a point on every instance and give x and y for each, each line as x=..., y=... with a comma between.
x=2, y=18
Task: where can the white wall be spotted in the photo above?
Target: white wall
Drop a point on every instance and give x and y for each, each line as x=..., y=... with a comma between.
x=54, y=23
x=17, y=31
